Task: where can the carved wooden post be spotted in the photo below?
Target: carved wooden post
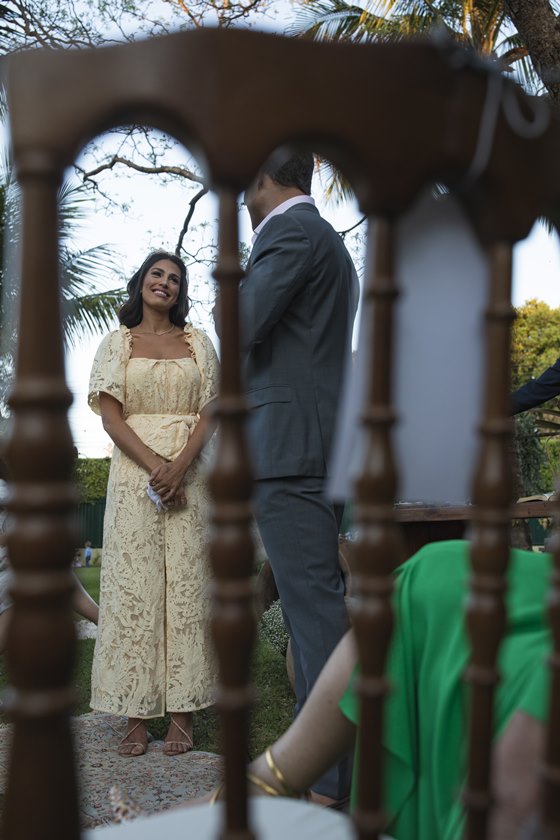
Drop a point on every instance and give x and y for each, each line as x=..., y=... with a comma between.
x=486, y=611
x=231, y=550
x=377, y=548
x=41, y=799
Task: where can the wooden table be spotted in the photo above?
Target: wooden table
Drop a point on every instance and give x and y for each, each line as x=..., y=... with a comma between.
x=422, y=524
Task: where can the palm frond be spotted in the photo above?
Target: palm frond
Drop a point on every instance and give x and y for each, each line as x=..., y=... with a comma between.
x=336, y=20
x=74, y=205
x=336, y=187
x=512, y=51
x=87, y=269
x=85, y=315
x=333, y=20
x=85, y=310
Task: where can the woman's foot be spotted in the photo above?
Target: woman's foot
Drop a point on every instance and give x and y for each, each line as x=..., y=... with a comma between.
x=179, y=738
x=135, y=740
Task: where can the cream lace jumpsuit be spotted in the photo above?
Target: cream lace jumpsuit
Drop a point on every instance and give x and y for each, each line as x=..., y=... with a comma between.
x=153, y=648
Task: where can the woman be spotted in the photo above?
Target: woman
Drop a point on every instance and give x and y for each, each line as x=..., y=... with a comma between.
x=425, y=722
x=152, y=381
x=82, y=602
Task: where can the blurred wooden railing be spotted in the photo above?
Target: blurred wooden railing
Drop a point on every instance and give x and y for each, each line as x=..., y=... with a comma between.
x=394, y=119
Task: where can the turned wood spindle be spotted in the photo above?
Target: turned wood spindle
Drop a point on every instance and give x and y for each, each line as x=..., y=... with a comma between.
x=492, y=496
x=41, y=799
x=377, y=548
x=231, y=549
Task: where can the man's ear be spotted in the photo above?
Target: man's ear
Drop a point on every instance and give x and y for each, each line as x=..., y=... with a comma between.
x=264, y=181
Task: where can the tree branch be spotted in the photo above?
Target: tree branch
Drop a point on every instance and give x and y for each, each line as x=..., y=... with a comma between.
x=343, y=233
x=164, y=169
x=192, y=205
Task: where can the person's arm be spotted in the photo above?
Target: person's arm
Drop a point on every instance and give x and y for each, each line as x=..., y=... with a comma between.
x=279, y=268
x=537, y=391
x=167, y=478
x=516, y=763
x=320, y=734
x=123, y=436
x=83, y=603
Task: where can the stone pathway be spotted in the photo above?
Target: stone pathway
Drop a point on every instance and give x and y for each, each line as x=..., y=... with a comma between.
x=154, y=781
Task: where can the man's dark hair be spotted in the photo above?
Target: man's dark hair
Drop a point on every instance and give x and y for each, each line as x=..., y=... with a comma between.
x=294, y=171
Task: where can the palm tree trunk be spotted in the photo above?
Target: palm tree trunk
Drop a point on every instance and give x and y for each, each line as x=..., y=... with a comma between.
x=539, y=29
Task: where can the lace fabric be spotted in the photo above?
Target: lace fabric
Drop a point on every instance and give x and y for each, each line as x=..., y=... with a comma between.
x=153, y=651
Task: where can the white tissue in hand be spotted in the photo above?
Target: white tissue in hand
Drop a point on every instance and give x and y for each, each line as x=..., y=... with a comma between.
x=156, y=498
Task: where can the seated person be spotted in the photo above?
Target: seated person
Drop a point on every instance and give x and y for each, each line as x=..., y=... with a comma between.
x=82, y=602
x=425, y=727
x=537, y=391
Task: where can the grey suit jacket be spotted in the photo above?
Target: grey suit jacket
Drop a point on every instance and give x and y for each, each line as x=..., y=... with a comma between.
x=297, y=305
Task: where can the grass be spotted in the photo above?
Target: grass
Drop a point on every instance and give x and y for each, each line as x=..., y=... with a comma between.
x=272, y=712
x=89, y=578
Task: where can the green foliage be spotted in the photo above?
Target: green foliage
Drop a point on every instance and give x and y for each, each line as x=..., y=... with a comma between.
x=536, y=346
x=82, y=676
x=535, y=341
x=91, y=476
x=551, y=467
x=272, y=628
x=531, y=456
x=274, y=704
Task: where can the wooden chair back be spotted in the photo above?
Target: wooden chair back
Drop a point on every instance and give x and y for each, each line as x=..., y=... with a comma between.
x=398, y=118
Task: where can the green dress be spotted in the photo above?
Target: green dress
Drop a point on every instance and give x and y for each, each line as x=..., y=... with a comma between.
x=426, y=712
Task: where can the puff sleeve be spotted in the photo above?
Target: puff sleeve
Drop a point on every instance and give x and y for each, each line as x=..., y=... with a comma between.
x=109, y=369
x=208, y=365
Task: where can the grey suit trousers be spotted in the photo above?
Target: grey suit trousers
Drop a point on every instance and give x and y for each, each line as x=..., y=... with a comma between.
x=299, y=530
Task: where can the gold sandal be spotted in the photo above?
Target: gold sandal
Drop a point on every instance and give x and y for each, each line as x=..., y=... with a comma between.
x=136, y=747
x=178, y=747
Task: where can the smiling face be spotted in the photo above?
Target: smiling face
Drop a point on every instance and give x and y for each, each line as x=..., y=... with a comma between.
x=161, y=285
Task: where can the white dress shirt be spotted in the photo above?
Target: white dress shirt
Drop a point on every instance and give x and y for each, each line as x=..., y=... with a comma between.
x=281, y=208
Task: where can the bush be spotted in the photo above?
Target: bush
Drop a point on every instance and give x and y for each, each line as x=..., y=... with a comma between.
x=273, y=630
x=531, y=457
x=91, y=476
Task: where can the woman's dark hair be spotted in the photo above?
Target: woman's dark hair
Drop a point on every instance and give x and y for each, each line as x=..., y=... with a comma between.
x=130, y=313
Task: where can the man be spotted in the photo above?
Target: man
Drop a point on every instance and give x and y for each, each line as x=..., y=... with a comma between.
x=298, y=304
x=537, y=391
